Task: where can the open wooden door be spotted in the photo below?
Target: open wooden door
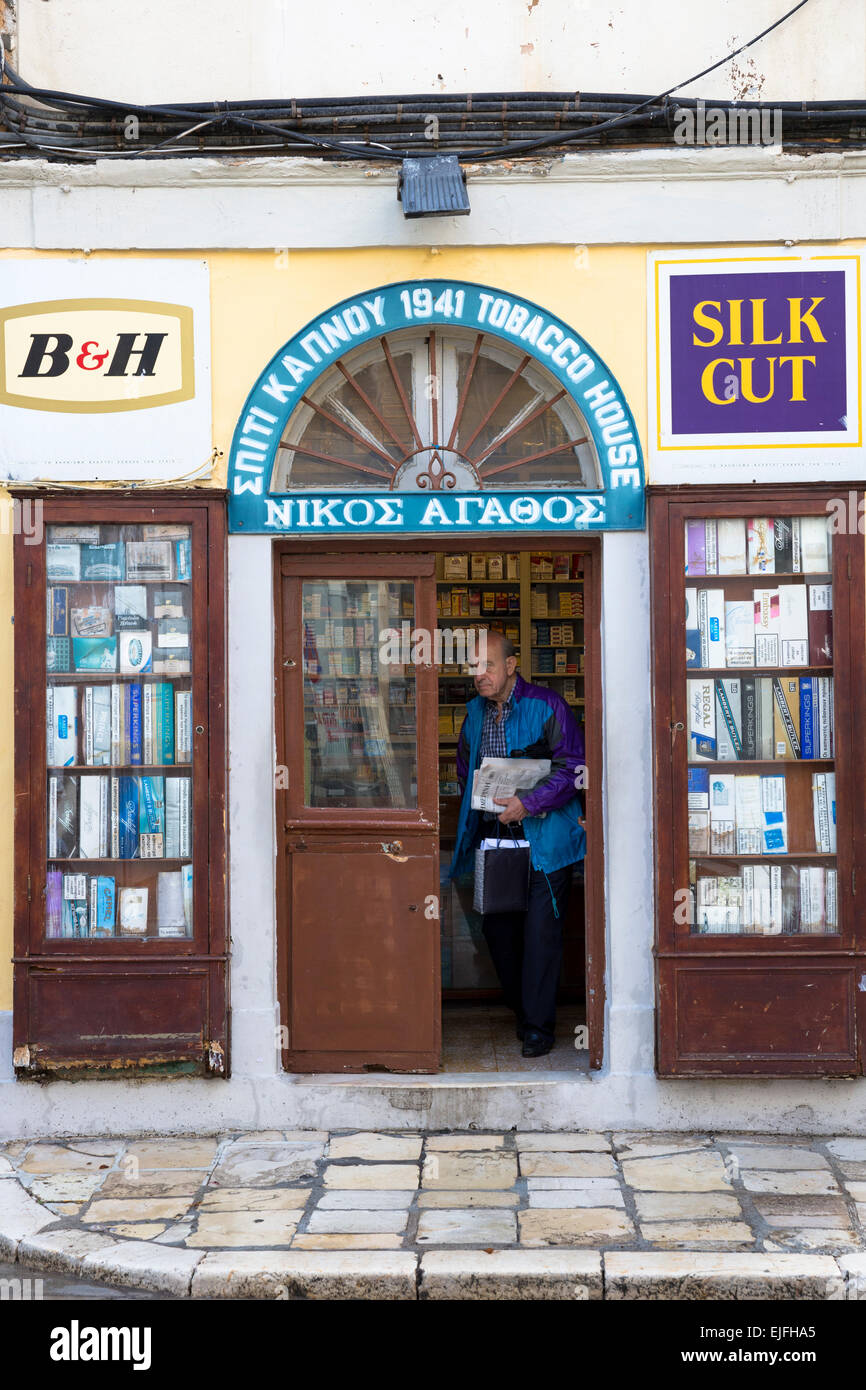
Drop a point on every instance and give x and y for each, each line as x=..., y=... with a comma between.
x=358, y=867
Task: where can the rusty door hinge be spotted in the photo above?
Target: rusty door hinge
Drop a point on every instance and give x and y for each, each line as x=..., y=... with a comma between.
x=216, y=1058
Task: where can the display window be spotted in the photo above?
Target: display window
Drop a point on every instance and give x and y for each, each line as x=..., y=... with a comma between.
x=758, y=661
x=120, y=901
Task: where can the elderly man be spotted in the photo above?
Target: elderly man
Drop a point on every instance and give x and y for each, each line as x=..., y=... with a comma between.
x=510, y=715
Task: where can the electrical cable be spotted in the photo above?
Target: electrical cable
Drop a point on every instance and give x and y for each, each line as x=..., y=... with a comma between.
x=527, y=146
x=184, y=113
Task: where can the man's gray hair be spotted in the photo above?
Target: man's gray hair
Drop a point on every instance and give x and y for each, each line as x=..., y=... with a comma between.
x=508, y=647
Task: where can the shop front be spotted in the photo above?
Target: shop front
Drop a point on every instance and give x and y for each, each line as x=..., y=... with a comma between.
x=391, y=460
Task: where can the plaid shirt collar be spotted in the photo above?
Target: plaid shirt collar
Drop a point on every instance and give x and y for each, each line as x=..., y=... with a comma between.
x=507, y=705
x=493, y=744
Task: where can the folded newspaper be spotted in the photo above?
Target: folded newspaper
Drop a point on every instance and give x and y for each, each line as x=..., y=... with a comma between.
x=504, y=777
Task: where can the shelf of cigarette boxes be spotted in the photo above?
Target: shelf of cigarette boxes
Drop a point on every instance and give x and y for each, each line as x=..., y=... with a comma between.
x=769, y=841
x=763, y=898
x=85, y=902
x=134, y=822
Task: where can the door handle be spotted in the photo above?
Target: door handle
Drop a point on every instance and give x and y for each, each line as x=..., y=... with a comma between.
x=289, y=662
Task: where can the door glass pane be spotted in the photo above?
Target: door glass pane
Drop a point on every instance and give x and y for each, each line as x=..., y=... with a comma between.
x=758, y=666
x=119, y=731
x=359, y=693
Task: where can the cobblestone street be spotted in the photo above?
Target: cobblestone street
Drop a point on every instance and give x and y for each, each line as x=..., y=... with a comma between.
x=469, y=1215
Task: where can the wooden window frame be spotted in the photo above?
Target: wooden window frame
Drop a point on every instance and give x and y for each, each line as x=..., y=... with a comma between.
x=682, y=956
x=198, y=964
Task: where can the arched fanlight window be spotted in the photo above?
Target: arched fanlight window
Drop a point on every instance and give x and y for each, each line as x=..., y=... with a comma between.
x=444, y=409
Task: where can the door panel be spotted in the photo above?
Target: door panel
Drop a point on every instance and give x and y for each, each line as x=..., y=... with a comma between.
x=364, y=952
x=773, y=1019
x=358, y=875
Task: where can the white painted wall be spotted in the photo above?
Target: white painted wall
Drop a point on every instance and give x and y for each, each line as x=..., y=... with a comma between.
x=204, y=50
x=662, y=197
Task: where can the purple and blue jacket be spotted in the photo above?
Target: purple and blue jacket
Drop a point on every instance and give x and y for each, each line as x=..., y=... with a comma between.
x=539, y=717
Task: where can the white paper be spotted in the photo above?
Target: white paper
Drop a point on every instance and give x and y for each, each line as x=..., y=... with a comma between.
x=820, y=596
x=169, y=900
x=504, y=777
x=133, y=910
x=748, y=814
x=740, y=633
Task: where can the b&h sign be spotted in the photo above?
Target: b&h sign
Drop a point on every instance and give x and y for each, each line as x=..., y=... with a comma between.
x=137, y=340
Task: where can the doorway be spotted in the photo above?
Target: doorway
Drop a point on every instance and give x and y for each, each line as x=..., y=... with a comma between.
x=382, y=964
x=535, y=599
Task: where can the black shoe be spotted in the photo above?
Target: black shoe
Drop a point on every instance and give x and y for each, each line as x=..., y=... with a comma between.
x=534, y=1045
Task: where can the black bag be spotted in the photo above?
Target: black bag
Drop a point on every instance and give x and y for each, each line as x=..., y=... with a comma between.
x=502, y=875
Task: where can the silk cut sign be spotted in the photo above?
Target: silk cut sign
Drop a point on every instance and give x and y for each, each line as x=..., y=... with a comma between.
x=758, y=353
x=755, y=353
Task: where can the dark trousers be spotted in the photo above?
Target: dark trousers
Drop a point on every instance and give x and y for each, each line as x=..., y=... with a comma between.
x=527, y=951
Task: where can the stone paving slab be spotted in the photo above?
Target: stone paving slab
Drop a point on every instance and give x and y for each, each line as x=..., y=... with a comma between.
x=229, y=1229
x=480, y=1226
x=695, y=1275
x=142, y=1264
x=172, y=1153
x=821, y=1238
x=554, y=1143
x=511, y=1274
x=326, y=1275
x=287, y=1214
x=782, y=1159
x=20, y=1216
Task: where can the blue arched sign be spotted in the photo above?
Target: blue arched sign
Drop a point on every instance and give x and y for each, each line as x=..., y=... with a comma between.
x=436, y=504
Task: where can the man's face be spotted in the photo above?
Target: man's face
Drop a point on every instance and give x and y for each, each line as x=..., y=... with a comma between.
x=494, y=673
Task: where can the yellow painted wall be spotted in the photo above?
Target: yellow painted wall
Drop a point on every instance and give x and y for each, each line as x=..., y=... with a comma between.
x=259, y=299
